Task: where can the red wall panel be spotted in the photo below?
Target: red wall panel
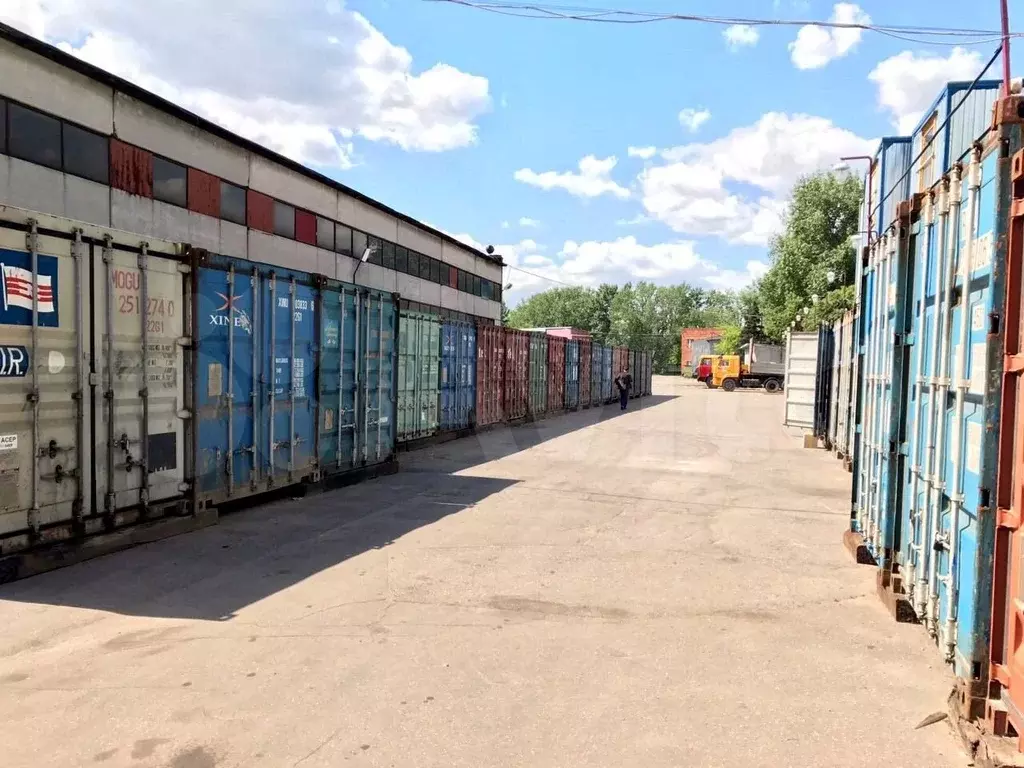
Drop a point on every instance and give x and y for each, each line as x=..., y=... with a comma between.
x=305, y=227
x=203, y=193
x=453, y=277
x=131, y=169
x=259, y=211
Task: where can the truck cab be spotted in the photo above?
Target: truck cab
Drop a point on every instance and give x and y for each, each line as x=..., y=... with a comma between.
x=759, y=365
x=703, y=369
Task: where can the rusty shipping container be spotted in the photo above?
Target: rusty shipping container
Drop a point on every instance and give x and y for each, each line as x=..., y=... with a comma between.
x=556, y=374
x=516, y=374
x=95, y=413
x=490, y=375
x=538, y=374
x=585, y=371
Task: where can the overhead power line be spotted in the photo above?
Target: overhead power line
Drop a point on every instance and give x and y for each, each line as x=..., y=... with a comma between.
x=554, y=12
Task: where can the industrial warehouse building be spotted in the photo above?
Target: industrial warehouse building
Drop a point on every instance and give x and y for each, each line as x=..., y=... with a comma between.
x=78, y=142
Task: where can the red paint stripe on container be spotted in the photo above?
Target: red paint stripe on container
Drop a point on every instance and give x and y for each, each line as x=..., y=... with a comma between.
x=203, y=193
x=259, y=211
x=131, y=169
x=305, y=227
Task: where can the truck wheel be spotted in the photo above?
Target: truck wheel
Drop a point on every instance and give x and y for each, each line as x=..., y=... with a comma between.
x=729, y=385
x=772, y=385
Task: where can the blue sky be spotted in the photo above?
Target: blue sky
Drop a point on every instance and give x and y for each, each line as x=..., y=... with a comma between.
x=517, y=132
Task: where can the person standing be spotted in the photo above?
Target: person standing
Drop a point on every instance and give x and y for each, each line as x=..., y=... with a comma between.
x=625, y=383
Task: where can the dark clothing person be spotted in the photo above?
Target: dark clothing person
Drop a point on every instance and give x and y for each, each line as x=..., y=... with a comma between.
x=625, y=383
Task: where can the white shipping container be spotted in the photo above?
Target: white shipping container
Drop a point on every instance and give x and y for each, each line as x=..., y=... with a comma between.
x=801, y=375
x=95, y=427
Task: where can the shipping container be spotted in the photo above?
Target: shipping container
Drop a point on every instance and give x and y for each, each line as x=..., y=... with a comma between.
x=556, y=374
x=458, y=375
x=608, y=374
x=419, y=350
x=538, y=374
x=572, y=375
x=648, y=374
x=518, y=374
x=823, y=392
x=801, y=366
x=490, y=374
x=586, y=348
x=842, y=390
x=620, y=361
x=95, y=395
x=636, y=373
x=596, y=365
x=890, y=181
x=356, y=377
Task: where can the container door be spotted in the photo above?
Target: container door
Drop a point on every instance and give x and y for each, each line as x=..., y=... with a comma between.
x=377, y=331
x=337, y=389
x=428, y=359
x=141, y=300
x=226, y=388
x=408, y=335
x=449, y=375
x=467, y=375
x=801, y=364
x=45, y=458
x=289, y=333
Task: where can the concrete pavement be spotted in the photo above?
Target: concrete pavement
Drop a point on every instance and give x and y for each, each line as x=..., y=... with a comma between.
x=665, y=587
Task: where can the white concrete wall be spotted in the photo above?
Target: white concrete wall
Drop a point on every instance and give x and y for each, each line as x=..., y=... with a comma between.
x=36, y=188
x=40, y=83
x=419, y=241
x=291, y=187
x=371, y=220
x=144, y=126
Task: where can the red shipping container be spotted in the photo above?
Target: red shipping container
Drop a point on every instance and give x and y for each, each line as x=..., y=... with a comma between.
x=305, y=227
x=517, y=373
x=490, y=374
x=556, y=374
x=620, y=361
x=586, y=349
x=131, y=169
x=203, y=193
x=259, y=211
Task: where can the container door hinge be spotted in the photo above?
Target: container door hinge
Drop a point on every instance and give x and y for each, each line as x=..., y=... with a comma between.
x=185, y=342
x=184, y=414
x=899, y=339
x=184, y=269
x=94, y=379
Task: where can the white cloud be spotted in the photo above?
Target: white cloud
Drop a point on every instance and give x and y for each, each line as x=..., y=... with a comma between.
x=594, y=179
x=693, y=119
x=735, y=187
x=740, y=35
x=816, y=46
x=505, y=225
x=734, y=280
x=644, y=153
x=908, y=82
x=303, y=78
x=526, y=221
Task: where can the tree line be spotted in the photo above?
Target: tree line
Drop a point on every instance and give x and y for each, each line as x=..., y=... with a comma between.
x=811, y=267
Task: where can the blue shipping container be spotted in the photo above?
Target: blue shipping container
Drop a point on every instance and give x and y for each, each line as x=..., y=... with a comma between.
x=890, y=180
x=596, y=358
x=572, y=375
x=357, y=377
x=458, y=375
x=256, y=377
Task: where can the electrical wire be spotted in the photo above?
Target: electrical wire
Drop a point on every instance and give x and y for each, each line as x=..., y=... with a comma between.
x=935, y=134
x=916, y=34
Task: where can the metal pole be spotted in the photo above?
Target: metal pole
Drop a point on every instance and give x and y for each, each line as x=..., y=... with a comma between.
x=355, y=382
x=291, y=380
x=272, y=389
x=144, y=389
x=256, y=377
x=341, y=376
x=108, y=260
x=366, y=379
x=33, y=246
x=79, y=379
x=1004, y=14
x=230, y=378
x=380, y=368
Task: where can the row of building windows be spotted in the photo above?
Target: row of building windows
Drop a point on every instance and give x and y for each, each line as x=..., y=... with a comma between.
x=45, y=140
x=444, y=314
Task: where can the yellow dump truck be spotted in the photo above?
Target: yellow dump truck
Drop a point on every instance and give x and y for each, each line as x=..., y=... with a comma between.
x=757, y=365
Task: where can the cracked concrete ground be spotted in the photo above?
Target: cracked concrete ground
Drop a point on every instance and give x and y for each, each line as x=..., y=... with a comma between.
x=661, y=588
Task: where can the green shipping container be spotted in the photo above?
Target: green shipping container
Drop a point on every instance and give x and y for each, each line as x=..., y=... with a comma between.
x=419, y=358
x=538, y=373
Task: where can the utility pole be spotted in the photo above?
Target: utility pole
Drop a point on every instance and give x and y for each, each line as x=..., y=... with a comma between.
x=1005, y=14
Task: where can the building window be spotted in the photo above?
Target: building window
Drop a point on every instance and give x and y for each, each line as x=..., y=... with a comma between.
x=358, y=244
x=424, y=267
x=343, y=239
x=477, y=289
x=33, y=136
x=486, y=285
x=324, y=233
x=3, y=126
x=284, y=220
x=462, y=281
x=435, y=271
x=414, y=264
x=232, y=203
x=170, y=182
x=401, y=259
x=388, y=259
x=376, y=246
x=86, y=154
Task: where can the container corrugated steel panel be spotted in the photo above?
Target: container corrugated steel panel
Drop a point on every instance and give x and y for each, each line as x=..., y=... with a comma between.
x=78, y=459
x=596, y=362
x=256, y=378
x=842, y=406
x=585, y=371
x=801, y=366
x=458, y=375
x=538, y=374
x=556, y=374
x=490, y=374
x=636, y=373
x=419, y=350
x=259, y=211
x=357, y=372
x=572, y=375
x=131, y=169
x=203, y=193
x=894, y=156
x=518, y=377
x=608, y=373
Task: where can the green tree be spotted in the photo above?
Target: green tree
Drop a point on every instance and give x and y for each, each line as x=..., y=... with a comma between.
x=731, y=341
x=558, y=307
x=823, y=215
